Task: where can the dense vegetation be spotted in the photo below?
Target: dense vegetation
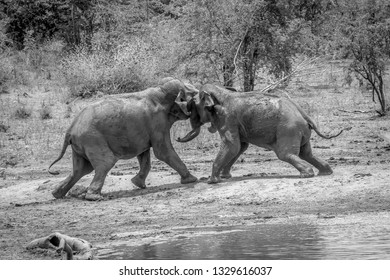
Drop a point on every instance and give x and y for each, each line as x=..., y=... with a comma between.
x=125, y=45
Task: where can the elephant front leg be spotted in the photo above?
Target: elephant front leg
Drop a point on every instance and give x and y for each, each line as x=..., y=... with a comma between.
x=226, y=155
x=165, y=152
x=144, y=163
x=226, y=169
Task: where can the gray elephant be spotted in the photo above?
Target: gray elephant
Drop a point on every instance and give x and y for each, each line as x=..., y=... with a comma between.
x=264, y=120
x=124, y=127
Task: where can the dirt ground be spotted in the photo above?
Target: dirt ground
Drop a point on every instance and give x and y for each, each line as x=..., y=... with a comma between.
x=263, y=189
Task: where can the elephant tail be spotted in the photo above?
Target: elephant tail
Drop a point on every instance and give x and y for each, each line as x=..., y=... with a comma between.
x=64, y=147
x=312, y=124
x=314, y=127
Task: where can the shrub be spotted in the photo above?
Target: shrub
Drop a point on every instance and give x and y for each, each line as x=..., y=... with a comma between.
x=3, y=127
x=5, y=73
x=45, y=112
x=126, y=68
x=22, y=112
x=68, y=112
x=3, y=81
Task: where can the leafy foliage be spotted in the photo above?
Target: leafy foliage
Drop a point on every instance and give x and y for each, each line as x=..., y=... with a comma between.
x=239, y=38
x=123, y=45
x=43, y=19
x=365, y=38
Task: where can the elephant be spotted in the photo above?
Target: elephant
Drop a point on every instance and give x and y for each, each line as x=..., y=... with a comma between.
x=123, y=127
x=265, y=120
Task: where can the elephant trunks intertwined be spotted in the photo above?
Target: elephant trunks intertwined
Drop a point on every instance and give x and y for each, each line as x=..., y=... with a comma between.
x=124, y=127
x=265, y=120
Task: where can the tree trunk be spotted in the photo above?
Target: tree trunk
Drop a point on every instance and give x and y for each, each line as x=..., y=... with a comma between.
x=381, y=96
x=228, y=73
x=375, y=78
x=249, y=63
x=89, y=31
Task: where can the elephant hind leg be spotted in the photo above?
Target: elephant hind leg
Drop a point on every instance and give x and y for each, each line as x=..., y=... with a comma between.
x=81, y=167
x=307, y=154
x=144, y=163
x=288, y=150
x=102, y=162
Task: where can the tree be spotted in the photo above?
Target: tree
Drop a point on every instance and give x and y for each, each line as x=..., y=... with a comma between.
x=44, y=19
x=238, y=38
x=365, y=38
x=77, y=21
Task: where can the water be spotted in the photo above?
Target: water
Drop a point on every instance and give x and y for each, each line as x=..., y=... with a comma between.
x=358, y=238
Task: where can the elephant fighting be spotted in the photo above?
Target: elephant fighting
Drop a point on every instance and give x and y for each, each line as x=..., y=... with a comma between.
x=264, y=120
x=124, y=127
x=128, y=125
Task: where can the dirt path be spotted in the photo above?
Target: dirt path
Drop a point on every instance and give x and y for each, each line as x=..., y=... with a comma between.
x=263, y=189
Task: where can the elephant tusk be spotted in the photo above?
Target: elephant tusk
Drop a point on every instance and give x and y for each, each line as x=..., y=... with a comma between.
x=191, y=135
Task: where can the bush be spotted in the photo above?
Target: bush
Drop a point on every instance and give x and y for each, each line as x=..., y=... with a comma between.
x=3, y=127
x=126, y=68
x=3, y=81
x=5, y=73
x=45, y=112
x=22, y=112
x=68, y=112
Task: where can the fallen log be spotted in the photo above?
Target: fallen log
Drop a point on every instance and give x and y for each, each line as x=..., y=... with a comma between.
x=69, y=247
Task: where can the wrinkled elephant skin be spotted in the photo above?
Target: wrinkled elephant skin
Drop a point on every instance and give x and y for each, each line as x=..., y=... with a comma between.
x=123, y=127
x=264, y=120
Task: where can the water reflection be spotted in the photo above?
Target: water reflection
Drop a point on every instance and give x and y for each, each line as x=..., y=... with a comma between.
x=270, y=241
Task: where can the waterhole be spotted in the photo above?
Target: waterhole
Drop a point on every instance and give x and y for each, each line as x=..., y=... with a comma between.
x=350, y=237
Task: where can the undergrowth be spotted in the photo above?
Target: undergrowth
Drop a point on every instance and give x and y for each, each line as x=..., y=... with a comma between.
x=129, y=67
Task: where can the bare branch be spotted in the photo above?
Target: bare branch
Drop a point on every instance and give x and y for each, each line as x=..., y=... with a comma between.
x=298, y=68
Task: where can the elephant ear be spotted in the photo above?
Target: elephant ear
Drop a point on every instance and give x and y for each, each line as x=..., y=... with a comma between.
x=208, y=101
x=182, y=102
x=190, y=90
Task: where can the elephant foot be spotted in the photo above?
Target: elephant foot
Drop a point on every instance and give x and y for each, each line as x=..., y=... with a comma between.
x=307, y=174
x=188, y=179
x=213, y=180
x=58, y=193
x=226, y=175
x=138, y=182
x=325, y=172
x=93, y=196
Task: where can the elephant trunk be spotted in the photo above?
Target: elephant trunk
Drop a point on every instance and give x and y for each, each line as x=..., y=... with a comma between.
x=195, y=122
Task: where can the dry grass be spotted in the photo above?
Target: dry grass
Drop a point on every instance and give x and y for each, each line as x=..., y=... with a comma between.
x=38, y=139
x=128, y=67
x=32, y=139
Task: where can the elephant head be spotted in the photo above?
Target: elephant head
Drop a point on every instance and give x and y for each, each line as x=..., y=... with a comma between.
x=202, y=108
x=181, y=92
